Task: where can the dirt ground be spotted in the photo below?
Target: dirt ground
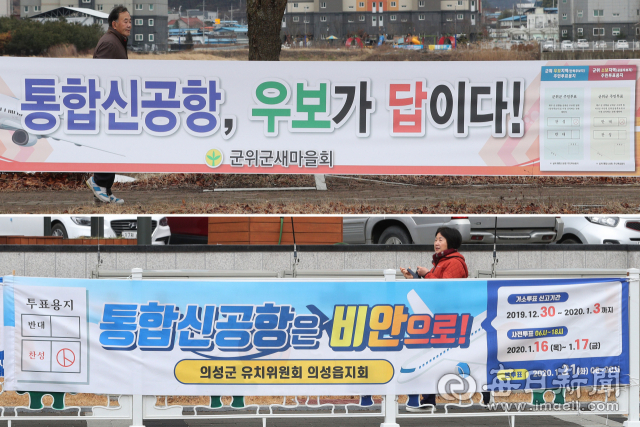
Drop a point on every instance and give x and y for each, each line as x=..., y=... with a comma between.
x=343, y=196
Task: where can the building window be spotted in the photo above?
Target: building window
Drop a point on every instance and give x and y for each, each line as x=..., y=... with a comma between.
x=393, y=4
x=616, y=14
x=564, y=16
x=421, y=17
x=350, y=19
x=323, y=19
x=564, y=33
x=296, y=19
x=323, y=5
x=598, y=31
x=579, y=14
x=580, y=32
x=138, y=6
x=380, y=21
x=86, y=1
x=139, y=22
x=615, y=31
x=361, y=18
x=151, y=7
x=139, y=37
x=26, y=8
x=637, y=31
x=460, y=17
x=307, y=20
x=295, y=5
x=598, y=12
x=361, y=4
x=392, y=18
x=421, y=3
x=100, y=7
x=473, y=4
x=37, y=8
x=459, y=2
x=449, y=20
x=151, y=22
x=373, y=20
x=151, y=37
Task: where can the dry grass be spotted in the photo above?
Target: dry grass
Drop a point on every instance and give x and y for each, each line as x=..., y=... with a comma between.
x=340, y=208
x=384, y=53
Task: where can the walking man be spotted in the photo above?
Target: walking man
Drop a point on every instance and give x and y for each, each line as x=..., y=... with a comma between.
x=113, y=45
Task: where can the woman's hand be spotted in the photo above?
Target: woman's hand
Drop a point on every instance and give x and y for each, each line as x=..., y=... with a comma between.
x=405, y=273
x=422, y=271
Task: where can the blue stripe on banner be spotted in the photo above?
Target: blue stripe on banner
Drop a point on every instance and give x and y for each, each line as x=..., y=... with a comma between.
x=564, y=73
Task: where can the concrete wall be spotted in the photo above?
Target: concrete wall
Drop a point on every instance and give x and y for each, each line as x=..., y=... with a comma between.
x=80, y=261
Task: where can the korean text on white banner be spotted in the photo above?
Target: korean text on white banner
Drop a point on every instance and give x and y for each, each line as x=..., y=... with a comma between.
x=499, y=118
x=312, y=337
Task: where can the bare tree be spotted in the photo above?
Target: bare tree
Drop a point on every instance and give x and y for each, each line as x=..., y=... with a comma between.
x=265, y=21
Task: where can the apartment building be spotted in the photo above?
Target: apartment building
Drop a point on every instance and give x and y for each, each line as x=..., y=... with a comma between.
x=606, y=20
x=149, y=30
x=339, y=18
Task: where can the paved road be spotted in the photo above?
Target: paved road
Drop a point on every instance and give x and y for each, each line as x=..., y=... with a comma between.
x=340, y=198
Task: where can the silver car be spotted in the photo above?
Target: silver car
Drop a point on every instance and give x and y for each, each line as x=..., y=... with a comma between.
x=601, y=229
x=400, y=229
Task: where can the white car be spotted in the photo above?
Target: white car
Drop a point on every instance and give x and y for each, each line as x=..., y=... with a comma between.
x=548, y=46
x=601, y=44
x=567, y=45
x=601, y=229
x=582, y=44
x=70, y=226
x=622, y=44
x=74, y=226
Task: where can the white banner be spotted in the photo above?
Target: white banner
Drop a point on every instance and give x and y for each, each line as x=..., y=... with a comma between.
x=481, y=118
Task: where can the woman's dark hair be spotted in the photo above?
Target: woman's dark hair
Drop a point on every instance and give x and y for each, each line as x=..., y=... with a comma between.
x=115, y=14
x=452, y=236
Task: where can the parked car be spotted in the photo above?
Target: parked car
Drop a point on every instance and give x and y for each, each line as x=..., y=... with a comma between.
x=400, y=230
x=601, y=44
x=582, y=44
x=598, y=229
x=481, y=229
x=566, y=45
x=548, y=46
x=622, y=44
x=72, y=226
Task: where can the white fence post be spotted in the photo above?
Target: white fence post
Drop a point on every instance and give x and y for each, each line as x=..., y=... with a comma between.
x=136, y=411
x=634, y=348
x=390, y=400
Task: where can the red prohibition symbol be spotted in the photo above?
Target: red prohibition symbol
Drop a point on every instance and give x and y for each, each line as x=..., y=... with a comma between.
x=65, y=357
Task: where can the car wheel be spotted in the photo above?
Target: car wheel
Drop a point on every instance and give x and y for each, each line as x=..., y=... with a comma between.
x=570, y=241
x=394, y=235
x=59, y=231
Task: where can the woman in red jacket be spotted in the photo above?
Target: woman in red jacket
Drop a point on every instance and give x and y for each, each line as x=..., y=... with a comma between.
x=448, y=263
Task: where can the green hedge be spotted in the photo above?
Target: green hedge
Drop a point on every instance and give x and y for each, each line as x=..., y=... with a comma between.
x=34, y=38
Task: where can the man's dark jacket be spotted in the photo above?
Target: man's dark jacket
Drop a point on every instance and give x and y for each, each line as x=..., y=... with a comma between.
x=112, y=45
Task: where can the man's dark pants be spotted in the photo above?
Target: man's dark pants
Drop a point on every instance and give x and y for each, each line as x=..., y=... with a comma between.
x=105, y=180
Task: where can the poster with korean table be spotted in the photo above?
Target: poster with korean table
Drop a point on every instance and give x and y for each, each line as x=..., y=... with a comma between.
x=499, y=118
x=295, y=337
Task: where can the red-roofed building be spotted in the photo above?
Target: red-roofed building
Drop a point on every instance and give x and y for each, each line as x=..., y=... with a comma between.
x=186, y=23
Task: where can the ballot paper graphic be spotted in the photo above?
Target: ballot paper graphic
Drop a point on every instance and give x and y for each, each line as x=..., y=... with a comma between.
x=50, y=334
x=587, y=117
